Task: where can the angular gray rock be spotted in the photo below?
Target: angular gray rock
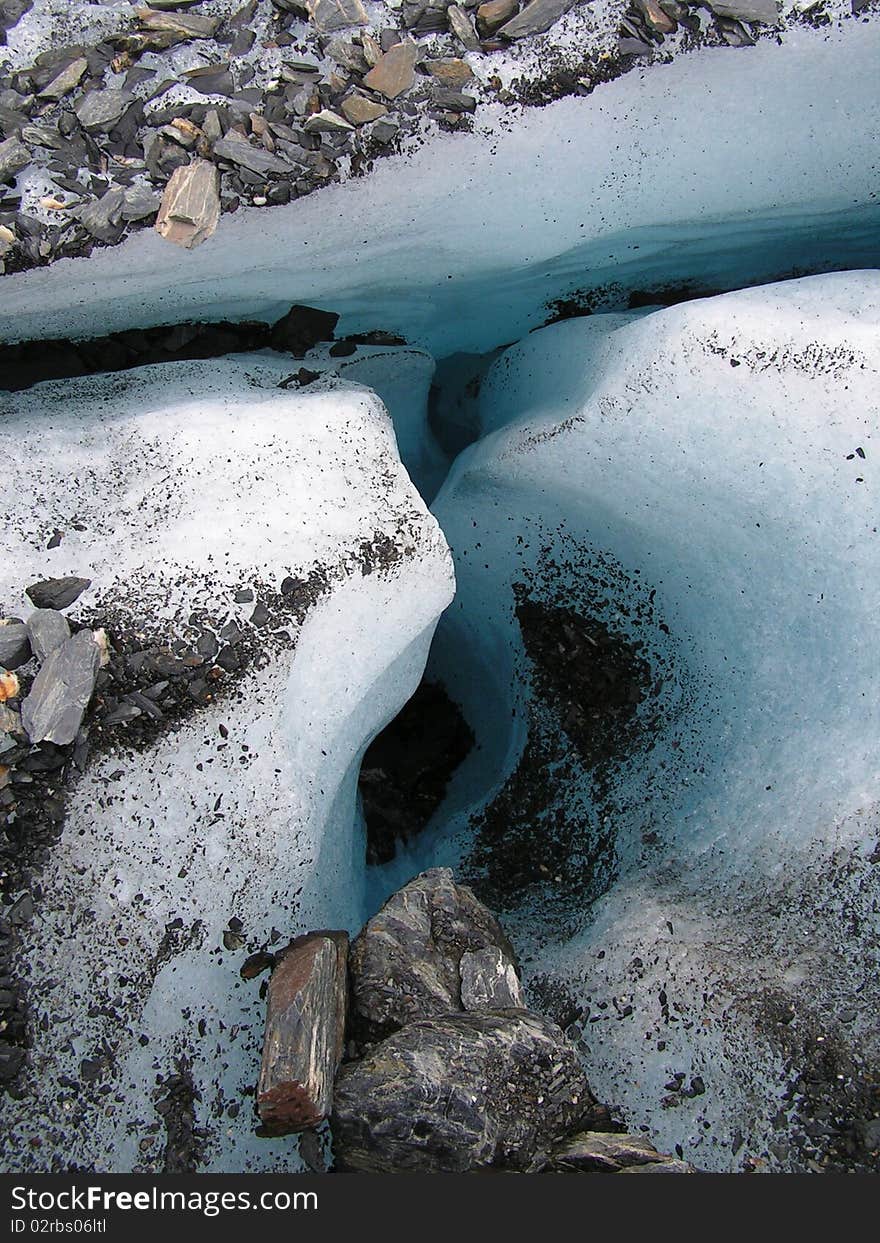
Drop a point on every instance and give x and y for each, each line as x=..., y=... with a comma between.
x=14, y=156
x=66, y=81
x=56, y=593
x=98, y=111
x=47, y=629
x=406, y=964
x=103, y=217
x=765, y=11
x=257, y=159
x=190, y=208
x=604, y=1152
x=330, y=15
x=53, y=711
x=462, y=26
x=140, y=202
x=460, y=1092
x=305, y=1033
x=15, y=647
x=535, y=18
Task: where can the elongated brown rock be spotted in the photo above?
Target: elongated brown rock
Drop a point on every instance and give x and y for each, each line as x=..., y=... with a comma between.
x=190, y=205
x=305, y=1032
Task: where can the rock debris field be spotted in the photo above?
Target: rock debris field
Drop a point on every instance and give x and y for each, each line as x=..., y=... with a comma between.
x=438, y=691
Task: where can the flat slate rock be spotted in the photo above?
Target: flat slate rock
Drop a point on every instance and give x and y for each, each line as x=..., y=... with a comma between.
x=410, y=959
x=764, y=11
x=305, y=1033
x=54, y=709
x=15, y=647
x=395, y=72
x=460, y=1092
x=99, y=111
x=57, y=593
x=47, y=629
x=535, y=18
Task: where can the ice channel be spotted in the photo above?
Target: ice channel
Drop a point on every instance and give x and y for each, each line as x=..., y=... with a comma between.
x=687, y=491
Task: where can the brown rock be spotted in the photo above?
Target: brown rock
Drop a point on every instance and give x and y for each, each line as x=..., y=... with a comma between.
x=305, y=1032
x=655, y=18
x=493, y=15
x=190, y=207
x=183, y=25
x=395, y=72
x=360, y=110
x=450, y=71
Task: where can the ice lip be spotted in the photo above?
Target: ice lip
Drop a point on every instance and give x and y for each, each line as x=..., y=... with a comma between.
x=622, y=187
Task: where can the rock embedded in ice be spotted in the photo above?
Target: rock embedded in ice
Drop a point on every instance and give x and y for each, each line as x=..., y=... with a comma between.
x=57, y=593
x=47, y=629
x=305, y=1032
x=764, y=11
x=535, y=18
x=460, y=1092
x=55, y=706
x=302, y=328
x=190, y=207
x=15, y=648
x=395, y=72
x=406, y=963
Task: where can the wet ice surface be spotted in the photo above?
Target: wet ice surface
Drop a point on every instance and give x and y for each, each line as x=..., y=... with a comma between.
x=700, y=482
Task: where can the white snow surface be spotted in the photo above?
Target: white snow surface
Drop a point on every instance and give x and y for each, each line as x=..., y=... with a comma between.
x=720, y=454
x=192, y=481
x=720, y=167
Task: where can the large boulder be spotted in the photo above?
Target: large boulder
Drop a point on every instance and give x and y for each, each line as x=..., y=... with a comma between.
x=460, y=1092
x=432, y=948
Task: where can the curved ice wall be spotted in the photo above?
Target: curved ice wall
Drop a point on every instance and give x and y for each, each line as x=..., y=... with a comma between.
x=722, y=168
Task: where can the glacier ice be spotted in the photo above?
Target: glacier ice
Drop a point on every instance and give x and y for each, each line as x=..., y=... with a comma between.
x=187, y=482
x=719, y=169
x=698, y=480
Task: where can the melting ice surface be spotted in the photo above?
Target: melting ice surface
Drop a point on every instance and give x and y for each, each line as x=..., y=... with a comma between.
x=689, y=478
